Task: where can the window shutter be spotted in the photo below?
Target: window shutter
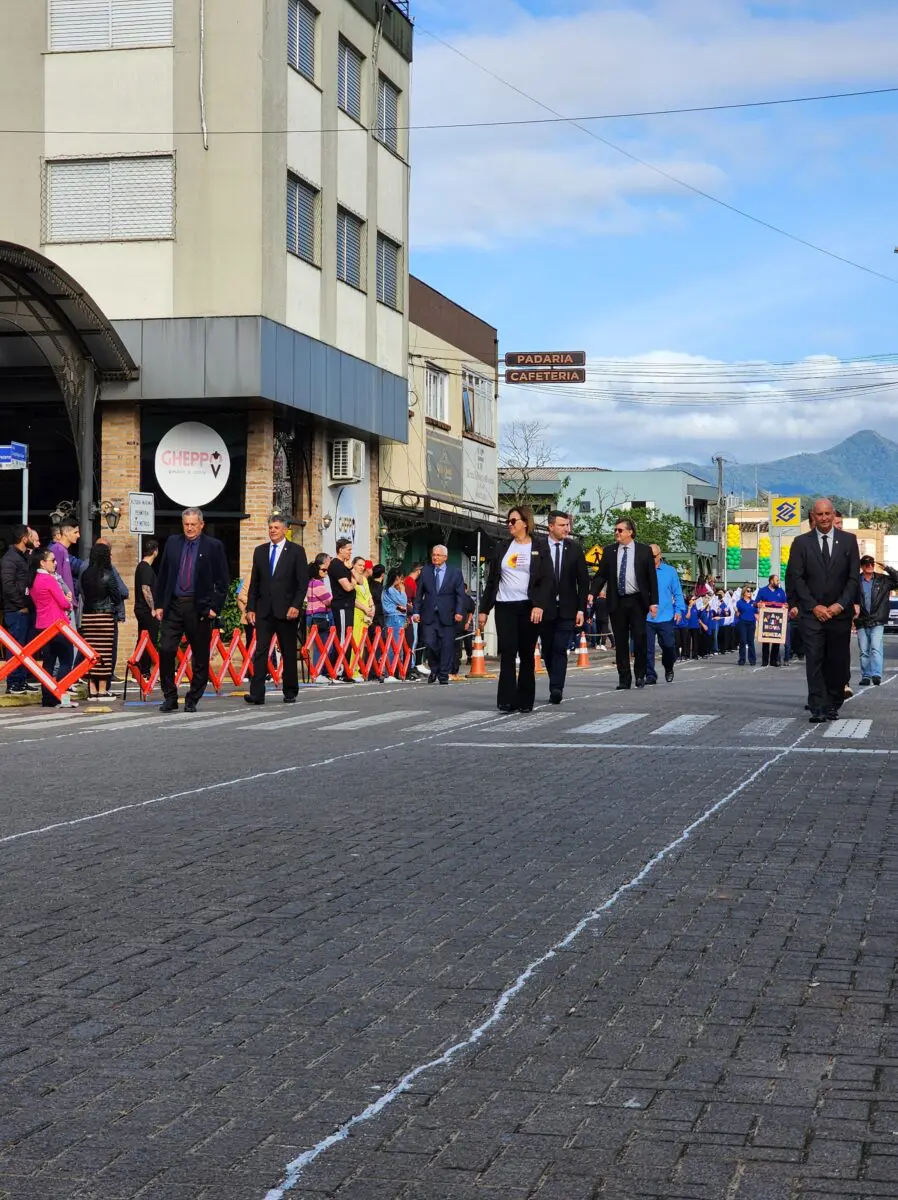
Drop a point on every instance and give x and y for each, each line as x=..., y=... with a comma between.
x=79, y=24
x=301, y=35
x=349, y=248
x=387, y=271
x=125, y=199
x=302, y=222
x=349, y=80
x=142, y=23
x=388, y=114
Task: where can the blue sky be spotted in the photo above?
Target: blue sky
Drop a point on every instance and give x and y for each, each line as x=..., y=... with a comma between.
x=561, y=242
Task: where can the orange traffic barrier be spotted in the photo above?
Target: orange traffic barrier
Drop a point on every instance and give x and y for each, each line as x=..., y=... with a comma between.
x=478, y=659
x=537, y=661
x=23, y=656
x=583, y=652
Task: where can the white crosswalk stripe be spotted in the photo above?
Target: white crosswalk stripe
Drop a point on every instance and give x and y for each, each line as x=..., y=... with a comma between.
x=685, y=725
x=855, y=730
x=766, y=726
x=454, y=722
x=299, y=719
x=609, y=724
x=375, y=719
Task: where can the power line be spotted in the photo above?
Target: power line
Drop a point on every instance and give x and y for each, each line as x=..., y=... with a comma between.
x=448, y=125
x=740, y=212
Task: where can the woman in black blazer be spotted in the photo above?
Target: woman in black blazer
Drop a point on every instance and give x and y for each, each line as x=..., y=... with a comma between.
x=519, y=586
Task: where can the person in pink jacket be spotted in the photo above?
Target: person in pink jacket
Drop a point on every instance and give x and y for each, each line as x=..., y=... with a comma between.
x=51, y=604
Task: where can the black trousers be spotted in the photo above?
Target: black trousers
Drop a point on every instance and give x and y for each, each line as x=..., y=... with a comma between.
x=628, y=622
x=266, y=628
x=827, y=660
x=151, y=625
x=183, y=619
x=464, y=643
x=440, y=642
x=555, y=637
x=517, y=636
x=770, y=654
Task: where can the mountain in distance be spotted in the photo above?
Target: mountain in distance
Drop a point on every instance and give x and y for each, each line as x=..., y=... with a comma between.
x=864, y=467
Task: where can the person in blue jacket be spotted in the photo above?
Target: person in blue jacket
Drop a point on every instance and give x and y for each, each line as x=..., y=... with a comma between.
x=664, y=626
x=746, y=619
x=691, y=640
x=773, y=594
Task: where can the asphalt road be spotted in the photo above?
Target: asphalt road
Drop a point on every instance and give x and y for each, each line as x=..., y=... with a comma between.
x=388, y=945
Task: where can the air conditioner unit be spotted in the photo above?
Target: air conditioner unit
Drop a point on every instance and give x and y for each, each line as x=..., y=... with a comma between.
x=347, y=460
x=690, y=501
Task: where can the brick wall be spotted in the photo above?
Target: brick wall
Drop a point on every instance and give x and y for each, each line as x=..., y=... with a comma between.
x=119, y=475
x=259, y=483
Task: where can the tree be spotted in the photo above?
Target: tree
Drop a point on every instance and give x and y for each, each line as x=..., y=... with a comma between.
x=675, y=536
x=524, y=448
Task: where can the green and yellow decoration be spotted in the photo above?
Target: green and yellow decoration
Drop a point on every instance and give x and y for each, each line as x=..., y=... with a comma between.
x=764, y=548
x=734, y=547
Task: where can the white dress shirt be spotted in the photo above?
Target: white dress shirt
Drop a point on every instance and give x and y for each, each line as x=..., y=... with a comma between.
x=632, y=587
x=279, y=550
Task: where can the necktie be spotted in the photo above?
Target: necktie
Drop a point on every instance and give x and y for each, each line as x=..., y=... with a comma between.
x=622, y=574
x=826, y=554
x=184, y=571
x=439, y=577
x=271, y=558
x=558, y=562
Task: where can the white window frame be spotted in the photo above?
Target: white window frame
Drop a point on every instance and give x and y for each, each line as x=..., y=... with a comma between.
x=484, y=396
x=388, y=98
x=112, y=198
x=347, y=101
x=436, y=394
x=110, y=18
x=297, y=188
x=296, y=12
x=387, y=245
x=346, y=219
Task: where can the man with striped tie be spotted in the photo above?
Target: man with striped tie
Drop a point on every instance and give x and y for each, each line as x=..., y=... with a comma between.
x=627, y=572
x=277, y=589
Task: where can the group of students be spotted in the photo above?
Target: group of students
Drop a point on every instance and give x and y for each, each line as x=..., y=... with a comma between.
x=722, y=621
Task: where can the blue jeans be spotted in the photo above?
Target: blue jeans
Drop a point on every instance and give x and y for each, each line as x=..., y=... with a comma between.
x=666, y=633
x=747, y=642
x=869, y=643
x=18, y=625
x=396, y=626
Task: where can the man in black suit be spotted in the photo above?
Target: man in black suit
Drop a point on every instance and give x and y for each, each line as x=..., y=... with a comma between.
x=566, y=611
x=277, y=590
x=440, y=607
x=822, y=583
x=190, y=592
x=627, y=572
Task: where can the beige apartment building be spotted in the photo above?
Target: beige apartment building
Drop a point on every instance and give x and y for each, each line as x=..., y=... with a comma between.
x=204, y=231
x=441, y=485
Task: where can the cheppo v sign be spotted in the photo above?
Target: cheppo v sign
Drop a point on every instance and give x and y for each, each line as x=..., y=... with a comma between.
x=192, y=464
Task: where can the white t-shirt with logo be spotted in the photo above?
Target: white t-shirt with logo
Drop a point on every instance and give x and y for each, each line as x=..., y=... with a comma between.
x=515, y=573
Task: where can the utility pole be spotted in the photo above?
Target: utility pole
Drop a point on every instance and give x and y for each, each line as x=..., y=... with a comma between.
x=721, y=519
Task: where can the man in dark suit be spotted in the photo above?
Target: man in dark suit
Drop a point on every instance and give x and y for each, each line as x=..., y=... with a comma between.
x=627, y=572
x=277, y=590
x=566, y=611
x=822, y=583
x=190, y=592
x=439, y=607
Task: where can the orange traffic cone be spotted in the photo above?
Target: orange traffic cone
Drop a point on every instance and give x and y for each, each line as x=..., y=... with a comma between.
x=583, y=652
x=478, y=660
x=537, y=661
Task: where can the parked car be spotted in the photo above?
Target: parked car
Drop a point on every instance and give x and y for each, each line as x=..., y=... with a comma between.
x=892, y=623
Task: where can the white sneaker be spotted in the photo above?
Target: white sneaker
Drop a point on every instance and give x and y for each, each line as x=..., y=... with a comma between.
x=390, y=679
x=68, y=702
x=603, y=648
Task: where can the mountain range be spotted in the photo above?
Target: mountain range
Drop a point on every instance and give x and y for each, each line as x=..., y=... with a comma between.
x=863, y=468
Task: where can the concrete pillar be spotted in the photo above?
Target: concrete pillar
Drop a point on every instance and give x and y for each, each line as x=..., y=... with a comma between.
x=259, y=484
x=119, y=475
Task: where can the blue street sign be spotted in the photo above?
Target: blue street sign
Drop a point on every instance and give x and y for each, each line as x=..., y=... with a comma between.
x=5, y=455
x=13, y=457
x=19, y=452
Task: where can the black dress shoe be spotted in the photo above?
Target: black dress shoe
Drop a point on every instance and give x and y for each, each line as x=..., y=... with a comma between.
x=623, y=687
x=168, y=706
x=877, y=680
x=866, y=682
x=668, y=675
x=831, y=714
x=640, y=683
x=289, y=700
x=432, y=677
x=250, y=700
x=507, y=708
x=190, y=706
x=817, y=718
x=529, y=708
x=444, y=682
x=555, y=696
x=650, y=682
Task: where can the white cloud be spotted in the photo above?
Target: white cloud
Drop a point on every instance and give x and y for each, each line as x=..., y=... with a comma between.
x=476, y=187
x=806, y=407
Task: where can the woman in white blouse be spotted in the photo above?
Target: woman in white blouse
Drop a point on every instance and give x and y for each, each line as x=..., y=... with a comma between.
x=518, y=586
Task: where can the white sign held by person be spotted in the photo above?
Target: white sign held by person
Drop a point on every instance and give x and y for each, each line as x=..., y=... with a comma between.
x=192, y=464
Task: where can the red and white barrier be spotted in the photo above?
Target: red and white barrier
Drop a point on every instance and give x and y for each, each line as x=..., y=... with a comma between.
x=23, y=656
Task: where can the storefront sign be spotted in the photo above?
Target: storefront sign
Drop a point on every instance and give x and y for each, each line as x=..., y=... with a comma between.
x=444, y=466
x=192, y=464
x=142, y=512
x=480, y=480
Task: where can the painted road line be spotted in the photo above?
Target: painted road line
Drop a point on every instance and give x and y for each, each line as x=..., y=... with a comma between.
x=448, y=723
x=376, y=719
x=91, y=717
x=684, y=726
x=766, y=726
x=854, y=730
x=609, y=724
x=288, y=722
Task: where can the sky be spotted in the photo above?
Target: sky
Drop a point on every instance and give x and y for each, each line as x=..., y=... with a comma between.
x=563, y=242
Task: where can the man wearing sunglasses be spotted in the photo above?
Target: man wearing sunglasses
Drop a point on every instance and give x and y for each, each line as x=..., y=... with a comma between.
x=627, y=572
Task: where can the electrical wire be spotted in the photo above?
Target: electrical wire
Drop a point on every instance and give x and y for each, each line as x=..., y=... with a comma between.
x=740, y=212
